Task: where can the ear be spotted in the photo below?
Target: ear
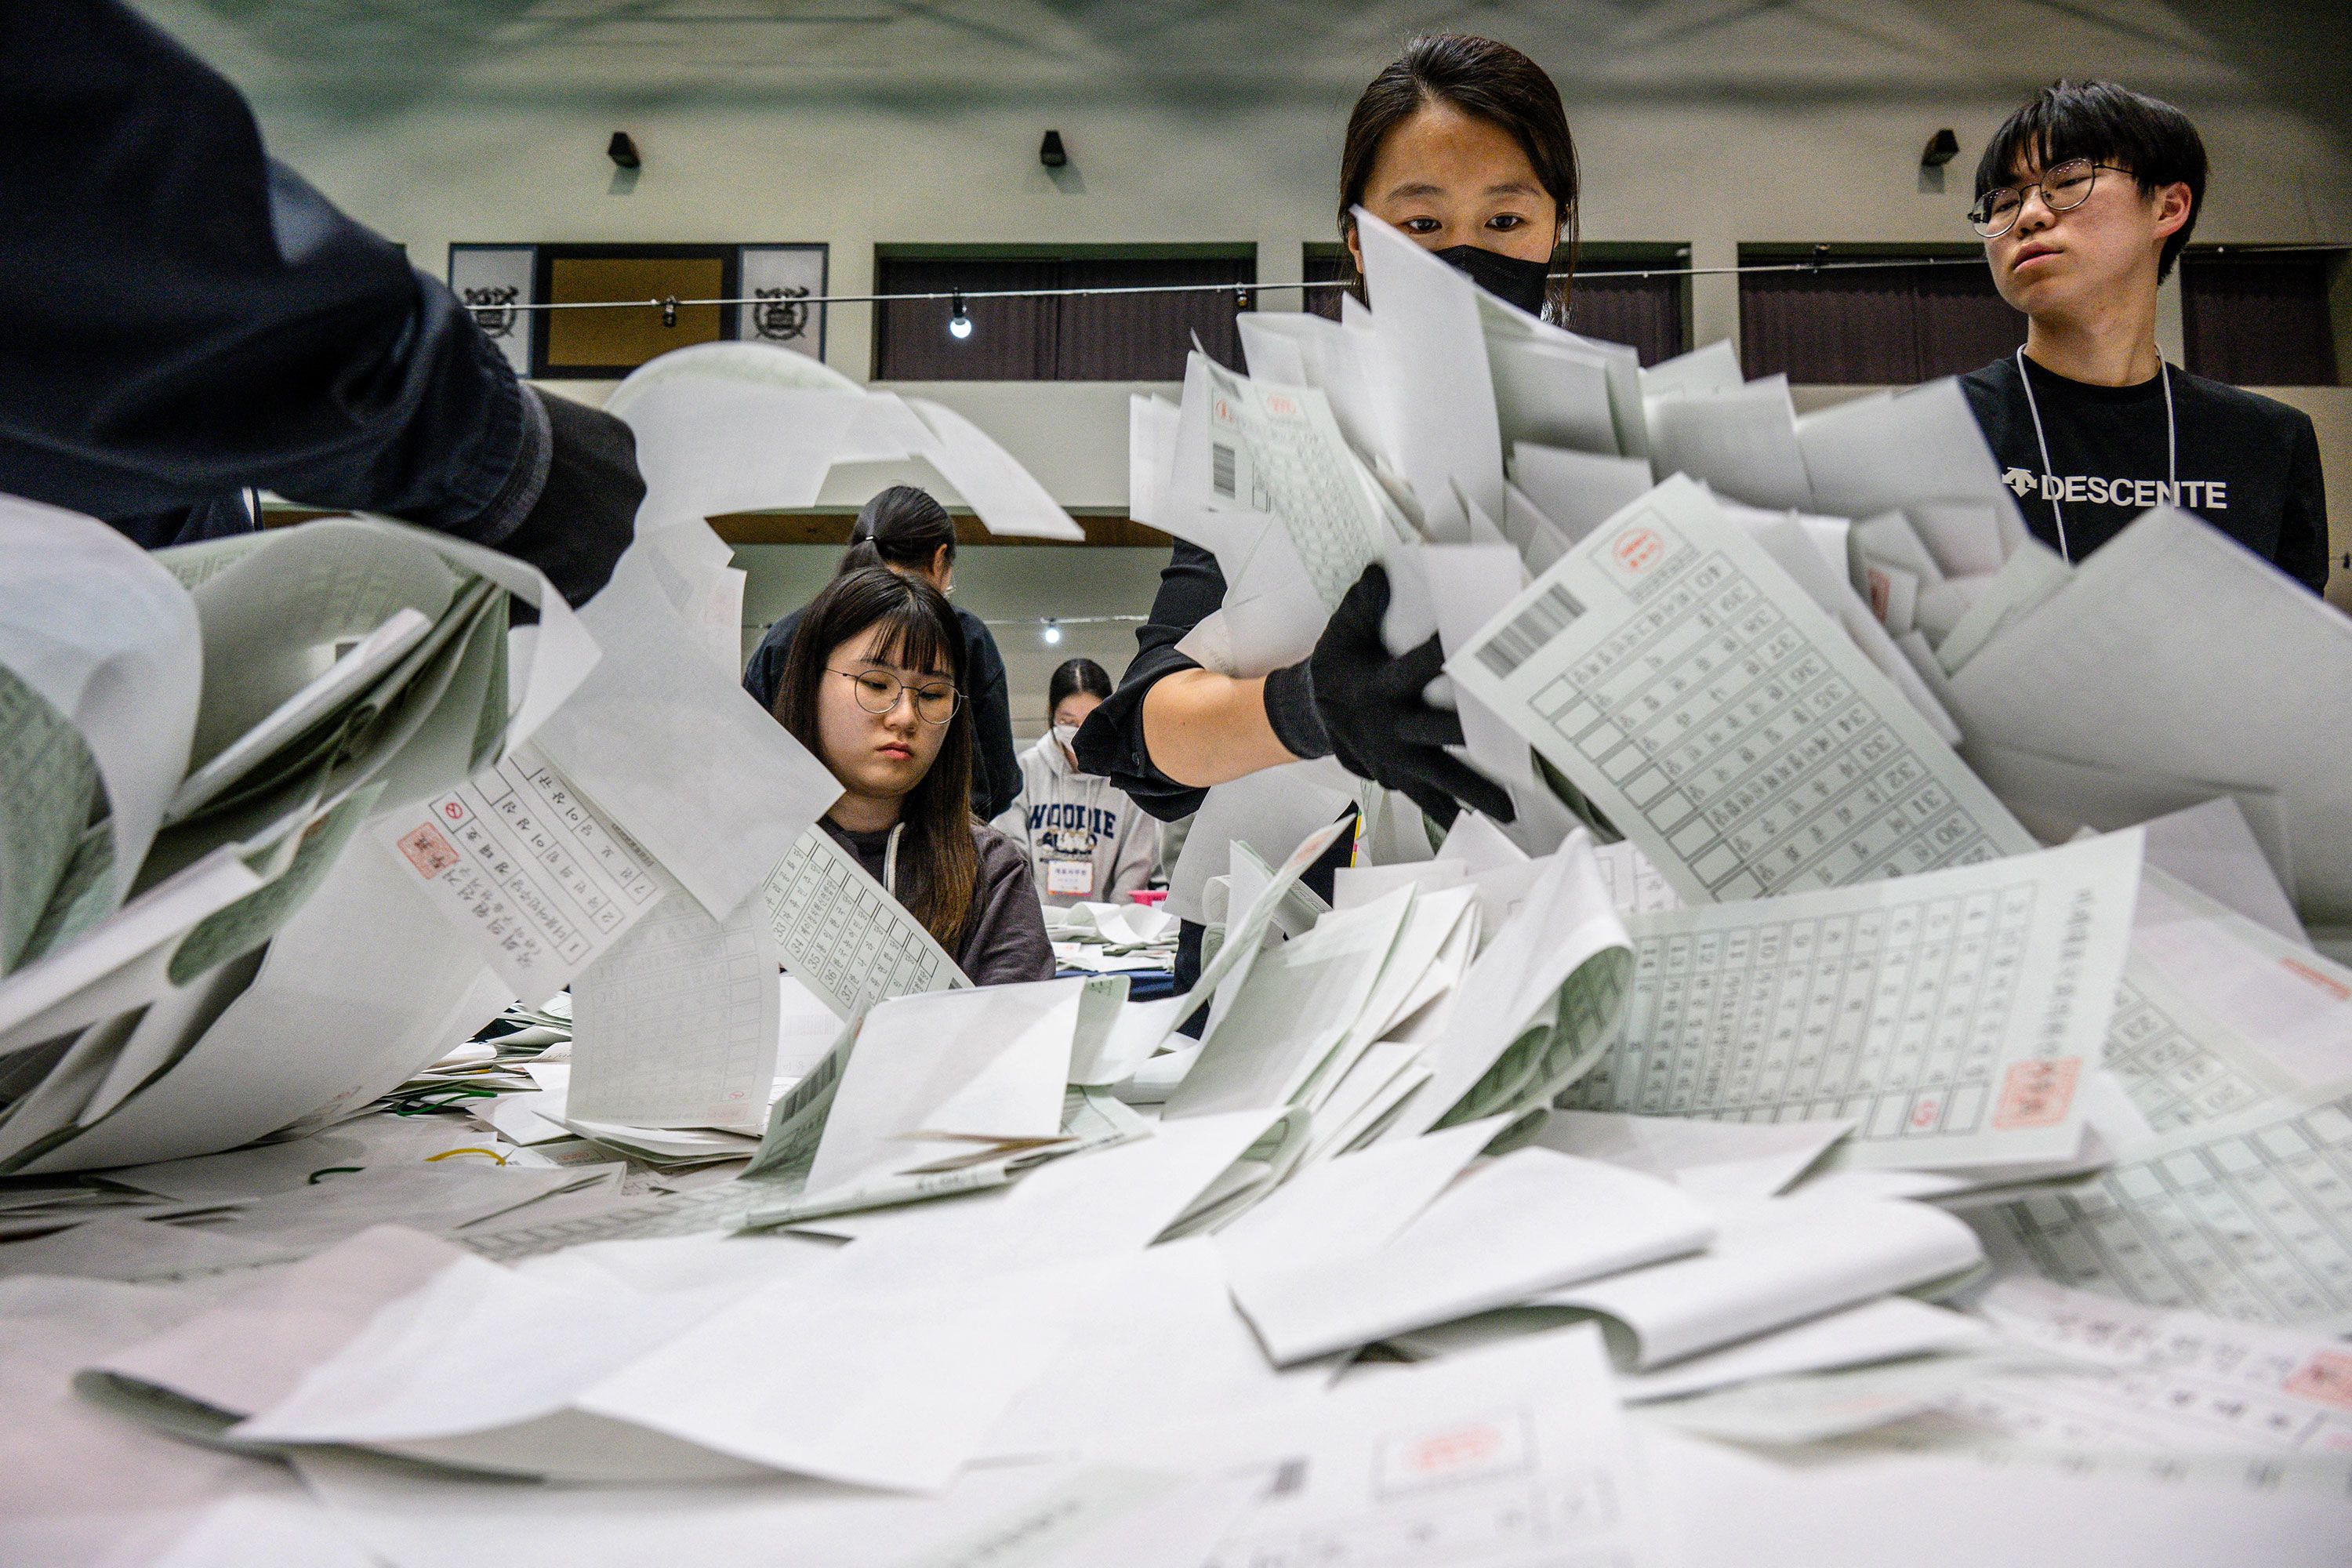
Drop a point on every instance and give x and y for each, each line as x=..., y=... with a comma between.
x=1355, y=250
x=2173, y=205
x=939, y=563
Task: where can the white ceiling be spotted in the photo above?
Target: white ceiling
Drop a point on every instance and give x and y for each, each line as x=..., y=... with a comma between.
x=1206, y=52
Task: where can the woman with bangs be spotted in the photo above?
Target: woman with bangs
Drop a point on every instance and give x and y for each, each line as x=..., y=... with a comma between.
x=874, y=688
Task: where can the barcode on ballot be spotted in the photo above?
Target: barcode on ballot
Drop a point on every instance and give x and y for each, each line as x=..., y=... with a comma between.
x=1221, y=468
x=1529, y=631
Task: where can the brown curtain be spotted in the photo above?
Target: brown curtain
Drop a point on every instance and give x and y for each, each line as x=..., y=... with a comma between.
x=1891, y=325
x=1144, y=337
x=1646, y=312
x=2258, y=320
x=1101, y=337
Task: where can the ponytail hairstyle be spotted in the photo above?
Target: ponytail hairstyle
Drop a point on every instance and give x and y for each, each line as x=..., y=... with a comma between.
x=903, y=527
x=1489, y=81
x=1073, y=676
x=939, y=864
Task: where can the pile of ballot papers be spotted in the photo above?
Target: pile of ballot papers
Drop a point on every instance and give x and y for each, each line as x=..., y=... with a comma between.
x=1110, y=938
x=1887, y=1095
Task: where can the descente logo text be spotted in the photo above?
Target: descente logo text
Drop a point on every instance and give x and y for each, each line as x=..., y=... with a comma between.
x=2091, y=490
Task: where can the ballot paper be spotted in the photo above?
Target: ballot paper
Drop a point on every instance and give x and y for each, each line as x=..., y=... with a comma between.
x=2246, y=1219
x=2124, y=668
x=1511, y=1456
x=1433, y=379
x=1275, y=450
x=1526, y=1222
x=1634, y=885
x=94, y=629
x=843, y=936
x=1920, y=452
x=544, y=881
x=1742, y=444
x=1295, y=1007
x=934, y=1071
x=2178, y=1066
x=2292, y=1004
x=1719, y=1162
x=1551, y=394
x=675, y=1025
x=1699, y=697
x=1536, y=1007
x=1955, y=1015
x=1888, y=1329
x=1771, y=1265
x=2173, y=1381
x=1575, y=490
x=675, y=752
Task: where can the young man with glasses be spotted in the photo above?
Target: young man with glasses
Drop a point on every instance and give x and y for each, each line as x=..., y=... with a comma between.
x=2085, y=198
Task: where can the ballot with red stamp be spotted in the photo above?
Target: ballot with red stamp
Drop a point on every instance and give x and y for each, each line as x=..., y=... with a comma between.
x=2038, y=1093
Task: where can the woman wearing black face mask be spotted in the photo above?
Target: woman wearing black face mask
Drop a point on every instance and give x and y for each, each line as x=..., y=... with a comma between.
x=1461, y=143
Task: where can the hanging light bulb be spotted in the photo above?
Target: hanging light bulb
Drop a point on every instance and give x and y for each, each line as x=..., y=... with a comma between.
x=1053, y=632
x=959, y=324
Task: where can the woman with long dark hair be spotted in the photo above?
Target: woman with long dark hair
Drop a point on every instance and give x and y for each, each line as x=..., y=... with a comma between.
x=874, y=686
x=1462, y=144
x=910, y=533
x=1086, y=841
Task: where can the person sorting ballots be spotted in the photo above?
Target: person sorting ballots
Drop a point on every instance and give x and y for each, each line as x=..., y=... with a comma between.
x=183, y=323
x=905, y=530
x=1461, y=143
x=873, y=688
x=1086, y=842
x=2085, y=197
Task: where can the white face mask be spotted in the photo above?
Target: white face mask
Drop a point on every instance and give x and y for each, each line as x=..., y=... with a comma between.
x=1067, y=735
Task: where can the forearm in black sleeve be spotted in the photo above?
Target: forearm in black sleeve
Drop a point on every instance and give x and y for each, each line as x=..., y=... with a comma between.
x=1111, y=742
x=180, y=317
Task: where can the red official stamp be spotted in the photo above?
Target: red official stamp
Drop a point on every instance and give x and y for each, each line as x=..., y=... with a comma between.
x=427, y=851
x=1637, y=549
x=2325, y=1379
x=2037, y=1093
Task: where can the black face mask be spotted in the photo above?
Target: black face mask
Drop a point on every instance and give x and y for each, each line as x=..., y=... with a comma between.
x=1508, y=277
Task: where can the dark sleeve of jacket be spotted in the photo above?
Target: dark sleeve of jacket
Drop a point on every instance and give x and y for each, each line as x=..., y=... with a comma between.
x=996, y=771
x=2302, y=526
x=1004, y=943
x=181, y=318
x=1111, y=742
x=766, y=670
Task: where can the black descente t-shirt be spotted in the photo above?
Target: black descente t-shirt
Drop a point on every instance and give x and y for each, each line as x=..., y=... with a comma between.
x=2248, y=465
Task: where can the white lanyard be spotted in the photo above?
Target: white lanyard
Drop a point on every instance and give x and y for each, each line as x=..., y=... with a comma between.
x=2171, y=443
x=890, y=860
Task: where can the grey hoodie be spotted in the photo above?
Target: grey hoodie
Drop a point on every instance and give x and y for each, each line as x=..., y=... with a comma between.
x=1083, y=823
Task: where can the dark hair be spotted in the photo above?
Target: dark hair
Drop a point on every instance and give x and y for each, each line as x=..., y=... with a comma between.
x=1073, y=676
x=941, y=862
x=1479, y=77
x=902, y=527
x=2108, y=124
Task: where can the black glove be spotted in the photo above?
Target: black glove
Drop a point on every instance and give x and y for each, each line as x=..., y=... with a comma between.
x=1352, y=699
x=586, y=514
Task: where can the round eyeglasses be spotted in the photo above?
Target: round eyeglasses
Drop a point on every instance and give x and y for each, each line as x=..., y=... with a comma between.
x=878, y=689
x=2063, y=188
